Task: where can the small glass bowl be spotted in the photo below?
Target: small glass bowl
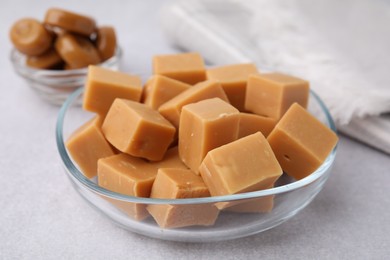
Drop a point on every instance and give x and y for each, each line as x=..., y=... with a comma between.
x=55, y=86
x=289, y=196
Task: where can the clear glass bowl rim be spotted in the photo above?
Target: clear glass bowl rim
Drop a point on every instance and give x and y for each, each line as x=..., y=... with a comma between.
x=77, y=176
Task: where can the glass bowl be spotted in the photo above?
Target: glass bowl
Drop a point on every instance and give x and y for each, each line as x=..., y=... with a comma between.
x=289, y=196
x=55, y=86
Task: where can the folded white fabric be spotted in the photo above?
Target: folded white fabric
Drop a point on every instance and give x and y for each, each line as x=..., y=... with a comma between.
x=341, y=47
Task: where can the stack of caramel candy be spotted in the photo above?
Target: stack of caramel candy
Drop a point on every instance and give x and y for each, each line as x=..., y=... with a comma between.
x=64, y=40
x=194, y=132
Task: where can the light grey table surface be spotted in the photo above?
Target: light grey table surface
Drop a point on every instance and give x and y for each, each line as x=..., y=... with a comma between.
x=42, y=217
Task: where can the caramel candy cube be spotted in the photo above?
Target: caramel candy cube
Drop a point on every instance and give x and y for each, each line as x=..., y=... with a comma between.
x=208, y=89
x=87, y=145
x=206, y=125
x=159, y=89
x=247, y=164
x=258, y=205
x=233, y=79
x=171, y=160
x=127, y=175
x=252, y=123
x=300, y=142
x=104, y=85
x=185, y=67
x=255, y=205
x=173, y=183
x=138, y=130
x=272, y=94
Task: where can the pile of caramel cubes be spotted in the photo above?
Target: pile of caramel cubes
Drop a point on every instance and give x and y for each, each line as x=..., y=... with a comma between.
x=194, y=132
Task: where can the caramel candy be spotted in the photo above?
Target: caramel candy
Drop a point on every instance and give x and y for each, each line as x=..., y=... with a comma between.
x=104, y=85
x=272, y=94
x=70, y=21
x=301, y=143
x=208, y=89
x=171, y=160
x=255, y=205
x=47, y=60
x=76, y=51
x=137, y=129
x=233, y=79
x=159, y=89
x=247, y=164
x=252, y=123
x=67, y=67
x=106, y=42
x=86, y=145
x=136, y=211
x=30, y=37
x=127, y=175
x=186, y=67
x=204, y=126
x=179, y=184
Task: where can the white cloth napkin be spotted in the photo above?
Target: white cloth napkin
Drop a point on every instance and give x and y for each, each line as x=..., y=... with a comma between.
x=341, y=47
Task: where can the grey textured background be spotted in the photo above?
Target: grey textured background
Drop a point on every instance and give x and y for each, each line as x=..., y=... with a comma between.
x=42, y=217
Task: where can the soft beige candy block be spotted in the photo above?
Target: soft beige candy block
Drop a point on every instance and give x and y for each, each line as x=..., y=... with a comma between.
x=208, y=89
x=252, y=123
x=173, y=183
x=233, y=79
x=185, y=67
x=206, y=125
x=171, y=160
x=87, y=145
x=104, y=85
x=127, y=175
x=272, y=94
x=256, y=205
x=159, y=89
x=136, y=211
x=260, y=205
x=247, y=164
x=137, y=129
x=301, y=142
